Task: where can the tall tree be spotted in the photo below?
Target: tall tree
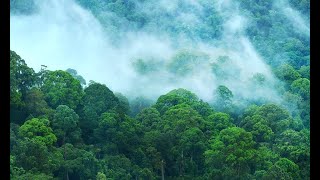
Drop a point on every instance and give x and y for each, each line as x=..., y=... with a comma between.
x=61, y=88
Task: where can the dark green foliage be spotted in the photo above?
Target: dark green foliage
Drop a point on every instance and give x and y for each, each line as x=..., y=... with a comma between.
x=65, y=125
x=36, y=104
x=97, y=99
x=230, y=154
x=283, y=169
x=301, y=86
x=287, y=73
x=149, y=118
x=123, y=103
x=219, y=121
x=22, y=78
x=175, y=97
x=61, y=88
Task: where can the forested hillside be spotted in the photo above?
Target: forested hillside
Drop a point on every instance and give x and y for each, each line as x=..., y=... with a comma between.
x=206, y=89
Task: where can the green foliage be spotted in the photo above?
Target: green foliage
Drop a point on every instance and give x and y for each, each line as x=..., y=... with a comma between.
x=36, y=104
x=22, y=78
x=97, y=99
x=287, y=73
x=259, y=128
x=296, y=147
x=101, y=176
x=38, y=130
x=180, y=136
x=123, y=103
x=33, y=155
x=149, y=118
x=230, y=154
x=275, y=117
x=100, y=98
x=61, y=88
x=184, y=62
x=78, y=162
x=283, y=169
x=305, y=72
x=175, y=97
x=65, y=125
x=220, y=121
x=301, y=86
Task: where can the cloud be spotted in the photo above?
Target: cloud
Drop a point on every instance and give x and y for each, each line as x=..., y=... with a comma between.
x=64, y=35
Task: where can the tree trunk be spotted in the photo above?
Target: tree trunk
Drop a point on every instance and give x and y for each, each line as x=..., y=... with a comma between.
x=67, y=175
x=162, y=170
x=65, y=154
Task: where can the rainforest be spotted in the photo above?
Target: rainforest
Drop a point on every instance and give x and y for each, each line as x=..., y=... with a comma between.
x=159, y=89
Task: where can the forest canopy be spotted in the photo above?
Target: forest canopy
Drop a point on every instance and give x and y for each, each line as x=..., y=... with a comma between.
x=160, y=89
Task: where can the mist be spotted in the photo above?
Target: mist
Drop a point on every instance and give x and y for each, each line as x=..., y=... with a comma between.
x=296, y=19
x=64, y=35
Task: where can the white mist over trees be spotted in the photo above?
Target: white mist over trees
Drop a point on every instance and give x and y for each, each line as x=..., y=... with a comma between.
x=159, y=89
x=135, y=61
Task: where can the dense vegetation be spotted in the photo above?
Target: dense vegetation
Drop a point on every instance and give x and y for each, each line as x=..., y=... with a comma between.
x=60, y=129
x=65, y=128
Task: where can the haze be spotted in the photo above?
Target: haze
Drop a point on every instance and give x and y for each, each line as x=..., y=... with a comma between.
x=64, y=35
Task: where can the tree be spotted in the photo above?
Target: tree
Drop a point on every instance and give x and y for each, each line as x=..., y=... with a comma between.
x=231, y=153
x=259, y=128
x=78, y=163
x=36, y=104
x=223, y=99
x=123, y=103
x=21, y=76
x=65, y=125
x=220, y=121
x=149, y=118
x=295, y=145
x=301, y=86
x=35, y=151
x=178, y=153
x=175, y=97
x=283, y=169
x=75, y=74
x=276, y=117
x=305, y=72
x=98, y=99
x=184, y=62
x=287, y=73
x=107, y=128
x=180, y=118
x=60, y=88
x=39, y=130
x=101, y=176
